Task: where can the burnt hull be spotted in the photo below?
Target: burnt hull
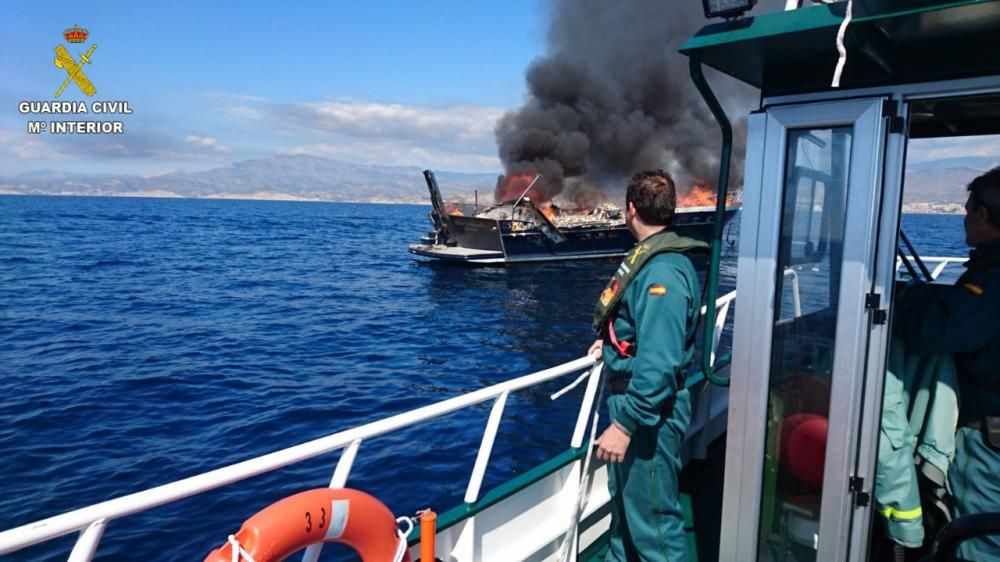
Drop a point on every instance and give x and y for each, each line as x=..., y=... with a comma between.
x=477, y=240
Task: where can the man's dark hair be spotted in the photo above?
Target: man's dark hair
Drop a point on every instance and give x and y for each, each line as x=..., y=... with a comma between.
x=985, y=192
x=654, y=195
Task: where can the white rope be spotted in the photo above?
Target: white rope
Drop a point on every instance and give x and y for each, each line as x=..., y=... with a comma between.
x=238, y=552
x=567, y=546
x=401, y=534
x=571, y=385
x=840, y=46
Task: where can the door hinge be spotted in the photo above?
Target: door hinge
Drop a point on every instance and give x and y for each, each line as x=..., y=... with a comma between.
x=856, y=485
x=895, y=124
x=873, y=302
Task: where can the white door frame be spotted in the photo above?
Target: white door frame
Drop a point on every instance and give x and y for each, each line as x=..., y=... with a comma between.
x=757, y=271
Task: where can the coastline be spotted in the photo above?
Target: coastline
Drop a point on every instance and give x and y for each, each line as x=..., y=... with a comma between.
x=261, y=196
x=908, y=208
x=934, y=208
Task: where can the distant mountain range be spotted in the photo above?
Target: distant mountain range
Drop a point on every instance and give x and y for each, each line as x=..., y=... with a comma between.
x=939, y=185
x=275, y=177
x=936, y=186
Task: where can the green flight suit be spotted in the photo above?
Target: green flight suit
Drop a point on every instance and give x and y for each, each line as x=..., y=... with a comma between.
x=919, y=416
x=964, y=319
x=658, y=311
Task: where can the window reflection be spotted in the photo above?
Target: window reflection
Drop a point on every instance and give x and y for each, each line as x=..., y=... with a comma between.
x=807, y=289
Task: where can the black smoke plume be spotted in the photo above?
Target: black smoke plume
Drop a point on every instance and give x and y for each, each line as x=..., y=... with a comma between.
x=613, y=96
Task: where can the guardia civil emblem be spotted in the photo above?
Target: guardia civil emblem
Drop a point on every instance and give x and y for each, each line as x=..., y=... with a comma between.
x=64, y=60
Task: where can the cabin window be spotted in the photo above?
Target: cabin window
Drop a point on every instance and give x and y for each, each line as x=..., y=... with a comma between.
x=805, y=315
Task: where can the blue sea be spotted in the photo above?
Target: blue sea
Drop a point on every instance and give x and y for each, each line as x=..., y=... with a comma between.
x=147, y=340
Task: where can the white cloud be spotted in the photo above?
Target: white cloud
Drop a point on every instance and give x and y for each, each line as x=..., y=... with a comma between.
x=458, y=125
x=24, y=146
x=207, y=142
x=923, y=150
x=391, y=153
x=459, y=137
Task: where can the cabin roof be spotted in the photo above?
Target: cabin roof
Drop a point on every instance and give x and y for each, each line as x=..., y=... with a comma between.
x=888, y=42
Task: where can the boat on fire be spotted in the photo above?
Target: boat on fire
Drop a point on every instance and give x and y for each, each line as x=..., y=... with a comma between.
x=518, y=230
x=819, y=262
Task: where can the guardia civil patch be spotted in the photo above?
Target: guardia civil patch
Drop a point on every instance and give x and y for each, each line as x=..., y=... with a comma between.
x=657, y=290
x=609, y=292
x=973, y=288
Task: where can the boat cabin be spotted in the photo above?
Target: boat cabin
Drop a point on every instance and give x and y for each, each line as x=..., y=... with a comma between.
x=820, y=247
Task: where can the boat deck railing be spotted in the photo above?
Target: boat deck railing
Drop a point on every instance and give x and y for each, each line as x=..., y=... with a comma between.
x=939, y=263
x=92, y=521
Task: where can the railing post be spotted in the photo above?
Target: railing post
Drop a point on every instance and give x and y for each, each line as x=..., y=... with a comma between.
x=942, y=263
x=796, y=299
x=485, y=448
x=345, y=464
x=338, y=480
x=720, y=324
x=86, y=545
x=586, y=406
x=937, y=270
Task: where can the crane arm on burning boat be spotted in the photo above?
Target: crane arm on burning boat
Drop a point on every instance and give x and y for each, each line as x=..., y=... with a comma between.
x=438, y=214
x=515, y=211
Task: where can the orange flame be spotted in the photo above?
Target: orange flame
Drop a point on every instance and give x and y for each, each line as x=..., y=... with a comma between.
x=700, y=195
x=513, y=186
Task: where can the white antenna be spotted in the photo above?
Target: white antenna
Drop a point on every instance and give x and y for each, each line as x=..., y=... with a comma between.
x=525, y=191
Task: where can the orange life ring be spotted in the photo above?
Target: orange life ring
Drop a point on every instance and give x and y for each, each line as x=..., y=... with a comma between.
x=342, y=515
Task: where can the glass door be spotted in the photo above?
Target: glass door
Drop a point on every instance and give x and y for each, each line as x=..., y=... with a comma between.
x=814, y=183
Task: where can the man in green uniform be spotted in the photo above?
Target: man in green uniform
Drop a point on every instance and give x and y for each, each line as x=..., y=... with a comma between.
x=964, y=319
x=648, y=315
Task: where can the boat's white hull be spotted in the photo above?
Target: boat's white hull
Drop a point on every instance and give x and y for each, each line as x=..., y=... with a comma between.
x=530, y=524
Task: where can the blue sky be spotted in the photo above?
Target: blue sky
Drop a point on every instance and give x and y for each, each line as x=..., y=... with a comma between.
x=212, y=82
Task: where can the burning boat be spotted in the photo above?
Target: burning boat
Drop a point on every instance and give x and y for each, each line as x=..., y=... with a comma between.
x=518, y=230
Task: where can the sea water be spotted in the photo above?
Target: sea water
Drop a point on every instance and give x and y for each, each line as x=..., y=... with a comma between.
x=146, y=340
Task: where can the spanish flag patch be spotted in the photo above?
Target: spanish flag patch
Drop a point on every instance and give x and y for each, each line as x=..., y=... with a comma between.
x=973, y=288
x=657, y=290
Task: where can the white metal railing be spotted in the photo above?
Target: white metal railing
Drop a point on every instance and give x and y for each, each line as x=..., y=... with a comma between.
x=796, y=297
x=940, y=263
x=722, y=305
x=91, y=521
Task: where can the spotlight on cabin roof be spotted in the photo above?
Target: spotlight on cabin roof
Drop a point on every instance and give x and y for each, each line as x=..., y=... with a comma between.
x=727, y=8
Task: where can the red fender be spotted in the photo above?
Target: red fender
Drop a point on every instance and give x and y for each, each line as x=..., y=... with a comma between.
x=342, y=515
x=807, y=451
x=787, y=428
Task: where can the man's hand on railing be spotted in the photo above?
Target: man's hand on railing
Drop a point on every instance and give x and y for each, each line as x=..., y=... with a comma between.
x=612, y=444
x=596, y=349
